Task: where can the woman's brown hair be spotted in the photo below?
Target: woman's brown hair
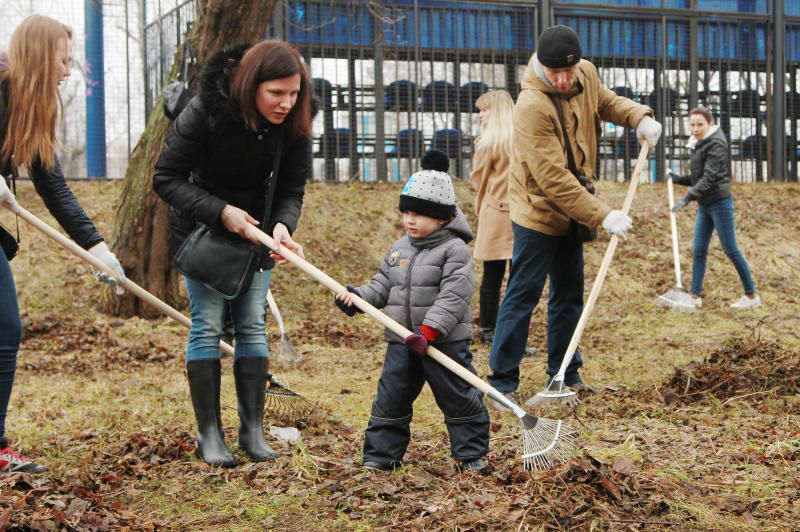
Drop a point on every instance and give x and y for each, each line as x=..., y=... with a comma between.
x=35, y=103
x=704, y=112
x=266, y=61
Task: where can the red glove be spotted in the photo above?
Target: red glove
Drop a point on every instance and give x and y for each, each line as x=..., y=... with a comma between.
x=418, y=342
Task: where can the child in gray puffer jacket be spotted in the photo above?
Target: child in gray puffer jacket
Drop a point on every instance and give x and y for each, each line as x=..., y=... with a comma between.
x=425, y=283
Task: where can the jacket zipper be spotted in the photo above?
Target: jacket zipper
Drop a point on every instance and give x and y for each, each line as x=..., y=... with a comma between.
x=408, y=289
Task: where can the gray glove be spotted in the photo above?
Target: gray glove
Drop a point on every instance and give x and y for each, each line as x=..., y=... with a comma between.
x=681, y=203
x=103, y=254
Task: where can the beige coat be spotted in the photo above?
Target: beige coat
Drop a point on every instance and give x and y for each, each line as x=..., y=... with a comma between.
x=543, y=193
x=495, y=241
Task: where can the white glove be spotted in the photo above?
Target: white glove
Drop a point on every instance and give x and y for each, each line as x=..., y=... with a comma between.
x=7, y=199
x=618, y=223
x=103, y=254
x=649, y=130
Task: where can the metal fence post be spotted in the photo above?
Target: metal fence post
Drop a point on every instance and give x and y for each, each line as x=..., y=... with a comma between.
x=778, y=119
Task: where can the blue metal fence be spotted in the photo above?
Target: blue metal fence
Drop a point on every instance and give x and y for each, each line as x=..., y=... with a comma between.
x=396, y=77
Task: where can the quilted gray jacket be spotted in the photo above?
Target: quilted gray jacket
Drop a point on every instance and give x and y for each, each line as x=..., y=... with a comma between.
x=427, y=281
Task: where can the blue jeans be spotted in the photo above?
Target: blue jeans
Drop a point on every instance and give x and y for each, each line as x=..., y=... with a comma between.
x=10, y=336
x=717, y=216
x=537, y=256
x=249, y=315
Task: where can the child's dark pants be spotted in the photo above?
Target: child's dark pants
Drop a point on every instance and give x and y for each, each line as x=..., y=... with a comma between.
x=404, y=373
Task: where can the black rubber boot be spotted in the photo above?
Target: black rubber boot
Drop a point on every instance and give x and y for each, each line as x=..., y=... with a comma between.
x=488, y=308
x=204, y=385
x=251, y=380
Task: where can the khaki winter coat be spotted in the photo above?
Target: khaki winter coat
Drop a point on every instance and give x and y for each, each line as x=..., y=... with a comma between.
x=495, y=241
x=543, y=193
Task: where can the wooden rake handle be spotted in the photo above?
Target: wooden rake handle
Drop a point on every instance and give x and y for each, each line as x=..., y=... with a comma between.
x=601, y=275
x=128, y=285
x=676, y=257
x=374, y=313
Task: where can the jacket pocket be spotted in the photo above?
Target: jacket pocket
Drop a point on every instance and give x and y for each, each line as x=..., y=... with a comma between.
x=493, y=203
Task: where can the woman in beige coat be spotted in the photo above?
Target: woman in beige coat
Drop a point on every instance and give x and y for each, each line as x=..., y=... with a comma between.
x=495, y=241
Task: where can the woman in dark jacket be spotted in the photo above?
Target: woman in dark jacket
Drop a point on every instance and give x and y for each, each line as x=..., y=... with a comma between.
x=38, y=60
x=215, y=169
x=710, y=183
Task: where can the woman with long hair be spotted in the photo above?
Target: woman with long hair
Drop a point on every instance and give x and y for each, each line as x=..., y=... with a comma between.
x=217, y=169
x=37, y=61
x=490, y=166
x=710, y=182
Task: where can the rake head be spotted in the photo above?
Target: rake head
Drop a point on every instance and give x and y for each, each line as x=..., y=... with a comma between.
x=545, y=442
x=677, y=300
x=287, y=354
x=283, y=402
x=555, y=392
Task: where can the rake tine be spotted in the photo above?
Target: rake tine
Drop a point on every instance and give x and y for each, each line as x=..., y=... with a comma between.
x=285, y=402
x=545, y=442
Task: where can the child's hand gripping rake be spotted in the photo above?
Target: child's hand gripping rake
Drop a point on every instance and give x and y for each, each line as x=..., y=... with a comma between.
x=677, y=298
x=544, y=441
x=279, y=398
x=556, y=391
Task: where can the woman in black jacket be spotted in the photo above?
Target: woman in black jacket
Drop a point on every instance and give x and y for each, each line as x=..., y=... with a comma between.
x=215, y=170
x=710, y=183
x=38, y=60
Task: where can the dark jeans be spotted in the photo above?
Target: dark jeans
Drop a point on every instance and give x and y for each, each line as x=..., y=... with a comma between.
x=717, y=216
x=10, y=335
x=537, y=256
x=404, y=373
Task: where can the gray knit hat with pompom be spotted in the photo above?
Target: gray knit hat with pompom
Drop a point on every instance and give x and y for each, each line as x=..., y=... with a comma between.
x=431, y=193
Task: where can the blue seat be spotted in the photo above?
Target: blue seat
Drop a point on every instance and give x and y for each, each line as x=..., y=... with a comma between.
x=469, y=93
x=439, y=96
x=335, y=144
x=323, y=90
x=447, y=141
x=400, y=95
x=409, y=143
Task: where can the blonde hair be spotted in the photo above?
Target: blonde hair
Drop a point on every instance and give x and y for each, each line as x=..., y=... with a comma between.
x=496, y=136
x=32, y=77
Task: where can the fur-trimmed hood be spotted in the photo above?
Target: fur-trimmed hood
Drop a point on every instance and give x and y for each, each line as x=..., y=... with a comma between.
x=215, y=87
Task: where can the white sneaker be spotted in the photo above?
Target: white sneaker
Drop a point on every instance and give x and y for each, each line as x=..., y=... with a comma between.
x=696, y=301
x=746, y=302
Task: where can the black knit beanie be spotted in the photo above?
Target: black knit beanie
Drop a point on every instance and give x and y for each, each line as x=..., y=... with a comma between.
x=559, y=47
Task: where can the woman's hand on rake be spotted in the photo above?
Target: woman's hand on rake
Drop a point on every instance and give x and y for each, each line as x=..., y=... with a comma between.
x=281, y=236
x=238, y=221
x=103, y=254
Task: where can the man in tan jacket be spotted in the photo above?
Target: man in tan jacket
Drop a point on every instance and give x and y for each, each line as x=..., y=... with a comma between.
x=545, y=195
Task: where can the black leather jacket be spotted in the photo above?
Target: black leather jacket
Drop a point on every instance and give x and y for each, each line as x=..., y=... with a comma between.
x=211, y=159
x=51, y=186
x=710, y=167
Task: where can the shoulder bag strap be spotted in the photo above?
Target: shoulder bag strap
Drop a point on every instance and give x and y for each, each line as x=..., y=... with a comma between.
x=570, y=158
x=272, y=180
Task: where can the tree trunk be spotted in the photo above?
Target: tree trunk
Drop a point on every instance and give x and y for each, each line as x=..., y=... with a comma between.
x=141, y=227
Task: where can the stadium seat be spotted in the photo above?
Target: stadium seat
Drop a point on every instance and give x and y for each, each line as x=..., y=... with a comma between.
x=400, y=95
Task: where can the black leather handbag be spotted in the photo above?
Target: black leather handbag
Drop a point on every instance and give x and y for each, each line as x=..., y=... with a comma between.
x=221, y=260
x=177, y=94
x=9, y=243
x=577, y=231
